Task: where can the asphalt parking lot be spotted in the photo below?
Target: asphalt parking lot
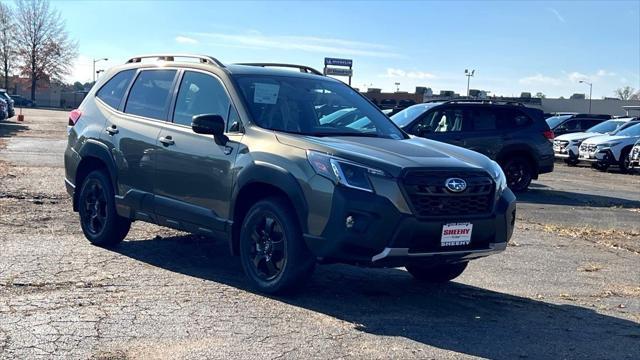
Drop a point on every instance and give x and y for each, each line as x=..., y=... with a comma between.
x=567, y=287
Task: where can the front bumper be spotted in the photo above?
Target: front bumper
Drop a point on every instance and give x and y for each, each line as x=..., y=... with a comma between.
x=602, y=156
x=567, y=152
x=380, y=235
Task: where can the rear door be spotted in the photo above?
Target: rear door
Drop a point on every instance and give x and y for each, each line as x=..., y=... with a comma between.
x=484, y=136
x=194, y=174
x=133, y=131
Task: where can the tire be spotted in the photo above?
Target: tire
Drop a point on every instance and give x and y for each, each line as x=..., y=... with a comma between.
x=519, y=173
x=625, y=160
x=437, y=274
x=571, y=161
x=101, y=224
x=273, y=253
x=600, y=166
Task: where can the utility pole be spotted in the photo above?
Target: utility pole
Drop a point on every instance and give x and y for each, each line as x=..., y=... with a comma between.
x=590, y=91
x=468, y=74
x=94, y=67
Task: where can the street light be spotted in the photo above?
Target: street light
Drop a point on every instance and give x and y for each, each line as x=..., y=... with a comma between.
x=94, y=67
x=468, y=75
x=590, y=91
x=397, y=87
x=98, y=73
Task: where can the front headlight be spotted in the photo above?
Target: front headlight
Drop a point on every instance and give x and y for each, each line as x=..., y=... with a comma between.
x=499, y=177
x=345, y=172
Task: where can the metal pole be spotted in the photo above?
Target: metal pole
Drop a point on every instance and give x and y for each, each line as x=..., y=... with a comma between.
x=468, y=82
x=590, y=91
x=94, y=71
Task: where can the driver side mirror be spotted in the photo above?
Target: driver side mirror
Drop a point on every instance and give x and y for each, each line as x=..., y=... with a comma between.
x=210, y=124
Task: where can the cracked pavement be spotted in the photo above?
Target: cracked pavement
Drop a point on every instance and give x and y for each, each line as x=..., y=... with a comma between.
x=554, y=293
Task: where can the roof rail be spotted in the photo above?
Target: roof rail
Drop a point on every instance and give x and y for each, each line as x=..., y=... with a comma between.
x=204, y=59
x=484, y=101
x=302, y=68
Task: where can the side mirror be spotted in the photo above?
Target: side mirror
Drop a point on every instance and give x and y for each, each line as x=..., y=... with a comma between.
x=210, y=124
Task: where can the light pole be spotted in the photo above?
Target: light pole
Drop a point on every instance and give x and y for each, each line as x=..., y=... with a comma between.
x=468, y=75
x=98, y=73
x=94, y=67
x=590, y=91
x=397, y=87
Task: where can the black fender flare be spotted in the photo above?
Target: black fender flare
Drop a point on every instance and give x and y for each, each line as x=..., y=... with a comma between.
x=278, y=177
x=96, y=149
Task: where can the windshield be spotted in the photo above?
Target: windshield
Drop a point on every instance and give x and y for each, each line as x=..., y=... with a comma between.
x=406, y=116
x=605, y=127
x=314, y=107
x=557, y=120
x=630, y=131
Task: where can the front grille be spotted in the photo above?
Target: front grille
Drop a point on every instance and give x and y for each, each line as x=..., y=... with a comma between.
x=426, y=192
x=588, y=147
x=560, y=145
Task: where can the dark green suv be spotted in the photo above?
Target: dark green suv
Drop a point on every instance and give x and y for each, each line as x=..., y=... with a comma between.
x=292, y=168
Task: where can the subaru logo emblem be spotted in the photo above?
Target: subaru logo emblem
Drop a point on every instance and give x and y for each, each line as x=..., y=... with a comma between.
x=455, y=185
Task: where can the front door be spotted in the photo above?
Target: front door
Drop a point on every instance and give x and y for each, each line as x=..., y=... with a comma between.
x=194, y=174
x=445, y=124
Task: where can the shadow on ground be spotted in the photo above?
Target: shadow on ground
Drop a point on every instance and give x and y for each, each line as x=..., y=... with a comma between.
x=8, y=128
x=456, y=317
x=543, y=195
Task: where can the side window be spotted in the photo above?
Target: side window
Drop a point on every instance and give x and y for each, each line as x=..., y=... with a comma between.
x=585, y=124
x=483, y=119
x=113, y=91
x=510, y=119
x=150, y=94
x=570, y=125
x=233, y=123
x=449, y=120
x=199, y=94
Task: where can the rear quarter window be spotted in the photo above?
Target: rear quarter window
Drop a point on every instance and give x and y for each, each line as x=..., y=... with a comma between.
x=113, y=91
x=513, y=119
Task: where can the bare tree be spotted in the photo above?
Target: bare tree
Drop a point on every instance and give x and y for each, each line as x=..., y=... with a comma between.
x=635, y=96
x=44, y=48
x=624, y=93
x=7, y=45
x=540, y=95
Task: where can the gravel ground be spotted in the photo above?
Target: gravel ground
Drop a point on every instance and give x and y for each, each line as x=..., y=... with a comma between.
x=567, y=287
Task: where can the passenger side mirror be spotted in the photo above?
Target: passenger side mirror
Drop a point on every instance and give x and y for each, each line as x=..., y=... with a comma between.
x=210, y=124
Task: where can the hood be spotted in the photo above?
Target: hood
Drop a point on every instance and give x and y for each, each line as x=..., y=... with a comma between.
x=577, y=136
x=607, y=138
x=391, y=155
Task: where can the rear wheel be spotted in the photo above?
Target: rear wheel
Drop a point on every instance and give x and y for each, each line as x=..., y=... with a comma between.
x=272, y=251
x=100, y=223
x=519, y=173
x=437, y=274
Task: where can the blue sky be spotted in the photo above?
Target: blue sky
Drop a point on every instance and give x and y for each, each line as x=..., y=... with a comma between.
x=514, y=46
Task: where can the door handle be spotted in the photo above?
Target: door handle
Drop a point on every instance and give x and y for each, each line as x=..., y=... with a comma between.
x=112, y=130
x=167, y=141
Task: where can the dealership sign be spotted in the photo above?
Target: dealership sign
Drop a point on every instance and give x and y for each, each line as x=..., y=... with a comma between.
x=338, y=71
x=338, y=62
x=338, y=67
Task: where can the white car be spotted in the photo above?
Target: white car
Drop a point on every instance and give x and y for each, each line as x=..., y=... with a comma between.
x=634, y=156
x=566, y=146
x=604, y=151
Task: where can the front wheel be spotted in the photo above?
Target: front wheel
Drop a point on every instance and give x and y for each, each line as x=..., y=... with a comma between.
x=625, y=161
x=519, y=173
x=437, y=274
x=272, y=251
x=600, y=166
x=571, y=161
x=100, y=222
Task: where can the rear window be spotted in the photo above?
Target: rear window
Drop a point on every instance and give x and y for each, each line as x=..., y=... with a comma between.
x=150, y=94
x=113, y=91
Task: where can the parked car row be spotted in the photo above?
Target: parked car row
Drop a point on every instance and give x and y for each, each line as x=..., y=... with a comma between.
x=610, y=143
x=9, y=102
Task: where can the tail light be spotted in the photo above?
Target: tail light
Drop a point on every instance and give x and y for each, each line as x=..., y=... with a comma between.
x=74, y=116
x=549, y=135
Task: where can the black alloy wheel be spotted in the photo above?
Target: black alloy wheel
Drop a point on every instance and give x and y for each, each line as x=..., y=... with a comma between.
x=518, y=173
x=267, y=250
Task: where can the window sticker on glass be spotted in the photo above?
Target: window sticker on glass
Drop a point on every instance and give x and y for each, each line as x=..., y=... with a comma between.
x=266, y=93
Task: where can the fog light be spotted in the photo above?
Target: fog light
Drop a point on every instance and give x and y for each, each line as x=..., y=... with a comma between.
x=349, y=222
